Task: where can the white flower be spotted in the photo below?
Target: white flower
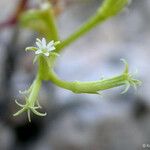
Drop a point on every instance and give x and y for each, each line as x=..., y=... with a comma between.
x=43, y=48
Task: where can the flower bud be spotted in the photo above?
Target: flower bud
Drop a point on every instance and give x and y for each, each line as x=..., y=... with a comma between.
x=112, y=7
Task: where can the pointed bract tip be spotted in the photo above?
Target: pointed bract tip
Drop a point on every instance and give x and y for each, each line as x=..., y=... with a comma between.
x=126, y=70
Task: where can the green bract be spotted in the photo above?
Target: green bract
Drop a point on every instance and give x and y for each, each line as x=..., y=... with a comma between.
x=31, y=100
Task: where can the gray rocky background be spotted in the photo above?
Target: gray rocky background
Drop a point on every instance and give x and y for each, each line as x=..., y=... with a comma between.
x=110, y=121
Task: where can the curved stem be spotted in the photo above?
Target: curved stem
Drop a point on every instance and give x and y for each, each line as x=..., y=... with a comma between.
x=88, y=87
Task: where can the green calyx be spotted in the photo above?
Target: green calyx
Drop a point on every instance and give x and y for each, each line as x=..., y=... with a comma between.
x=130, y=80
x=31, y=101
x=29, y=107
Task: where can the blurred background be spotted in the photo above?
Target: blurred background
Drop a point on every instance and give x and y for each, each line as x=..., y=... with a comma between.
x=109, y=121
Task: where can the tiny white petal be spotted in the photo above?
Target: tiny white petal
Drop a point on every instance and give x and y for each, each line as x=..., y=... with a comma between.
x=38, y=52
x=51, y=48
x=50, y=43
x=38, y=40
x=46, y=54
x=43, y=42
x=43, y=48
x=38, y=44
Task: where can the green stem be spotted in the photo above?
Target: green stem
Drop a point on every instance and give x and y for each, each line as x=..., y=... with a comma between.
x=88, y=87
x=48, y=17
x=109, y=8
x=46, y=73
x=35, y=90
x=90, y=24
x=52, y=31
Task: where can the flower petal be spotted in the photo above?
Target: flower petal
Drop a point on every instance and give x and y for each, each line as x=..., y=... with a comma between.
x=38, y=40
x=39, y=45
x=51, y=43
x=44, y=42
x=46, y=54
x=51, y=48
x=38, y=52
